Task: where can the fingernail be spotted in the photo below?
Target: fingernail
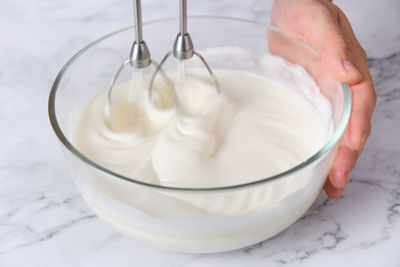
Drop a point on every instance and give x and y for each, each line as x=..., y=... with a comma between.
x=349, y=66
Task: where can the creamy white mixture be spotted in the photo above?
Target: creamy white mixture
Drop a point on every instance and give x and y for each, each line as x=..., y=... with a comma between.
x=255, y=128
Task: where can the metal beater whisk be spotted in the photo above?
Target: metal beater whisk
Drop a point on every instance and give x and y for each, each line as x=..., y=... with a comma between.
x=183, y=49
x=139, y=57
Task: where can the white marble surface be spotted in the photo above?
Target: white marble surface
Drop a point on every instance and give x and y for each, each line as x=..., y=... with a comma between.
x=44, y=221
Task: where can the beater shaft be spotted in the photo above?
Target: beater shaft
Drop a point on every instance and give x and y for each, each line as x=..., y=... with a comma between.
x=137, y=13
x=140, y=54
x=183, y=16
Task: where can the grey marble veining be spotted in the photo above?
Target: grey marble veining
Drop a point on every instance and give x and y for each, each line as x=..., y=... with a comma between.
x=44, y=221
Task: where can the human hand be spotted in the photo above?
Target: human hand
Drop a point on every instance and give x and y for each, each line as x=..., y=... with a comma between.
x=322, y=24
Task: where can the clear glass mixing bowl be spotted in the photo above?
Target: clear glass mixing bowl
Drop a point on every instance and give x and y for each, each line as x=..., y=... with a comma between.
x=161, y=215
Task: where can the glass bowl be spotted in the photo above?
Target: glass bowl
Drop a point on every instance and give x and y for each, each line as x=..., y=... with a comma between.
x=170, y=222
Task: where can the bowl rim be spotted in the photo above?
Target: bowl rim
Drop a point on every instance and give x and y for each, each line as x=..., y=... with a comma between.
x=64, y=140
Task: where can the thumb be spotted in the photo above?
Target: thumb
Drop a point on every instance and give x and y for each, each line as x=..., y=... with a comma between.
x=335, y=57
x=328, y=38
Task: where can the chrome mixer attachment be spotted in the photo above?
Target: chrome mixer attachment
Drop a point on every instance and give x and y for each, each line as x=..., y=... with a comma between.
x=183, y=49
x=139, y=57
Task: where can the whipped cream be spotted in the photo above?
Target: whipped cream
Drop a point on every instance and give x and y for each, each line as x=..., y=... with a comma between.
x=191, y=136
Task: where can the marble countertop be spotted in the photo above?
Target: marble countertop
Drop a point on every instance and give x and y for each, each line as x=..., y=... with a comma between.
x=45, y=222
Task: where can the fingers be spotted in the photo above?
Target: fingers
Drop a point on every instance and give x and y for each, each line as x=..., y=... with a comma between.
x=344, y=48
x=363, y=104
x=357, y=132
x=363, y=93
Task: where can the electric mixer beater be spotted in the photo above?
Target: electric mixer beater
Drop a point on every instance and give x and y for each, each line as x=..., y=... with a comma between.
x=139, y=60
x=183, y=49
